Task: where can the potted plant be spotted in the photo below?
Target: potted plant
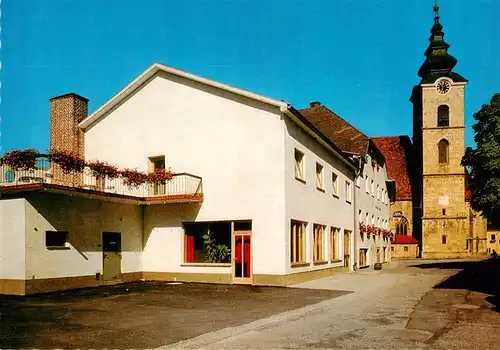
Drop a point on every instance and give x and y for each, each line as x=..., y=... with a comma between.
x=103, y=169
x=67, y=161
x=133, y=177
x=21, y=159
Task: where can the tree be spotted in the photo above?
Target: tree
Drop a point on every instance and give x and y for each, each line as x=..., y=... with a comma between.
x=483, y=163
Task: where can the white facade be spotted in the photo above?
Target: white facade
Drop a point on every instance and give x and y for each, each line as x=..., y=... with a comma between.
x=244, y=147
x=372, y=200
x=244, y=151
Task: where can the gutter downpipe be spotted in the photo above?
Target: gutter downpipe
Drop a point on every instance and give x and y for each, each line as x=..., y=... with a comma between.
x=356, y=216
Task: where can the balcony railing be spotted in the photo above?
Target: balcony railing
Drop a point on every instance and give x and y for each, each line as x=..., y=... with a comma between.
x=182, y=184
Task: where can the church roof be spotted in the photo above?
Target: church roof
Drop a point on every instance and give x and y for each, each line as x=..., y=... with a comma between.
x=438, y=62
x=397, y=152
x=344, y=135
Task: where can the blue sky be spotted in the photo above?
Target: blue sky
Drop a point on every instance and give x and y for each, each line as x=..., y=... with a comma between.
x=358, y=57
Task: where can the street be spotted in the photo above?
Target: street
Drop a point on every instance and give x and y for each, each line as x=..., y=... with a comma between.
x=394, y=308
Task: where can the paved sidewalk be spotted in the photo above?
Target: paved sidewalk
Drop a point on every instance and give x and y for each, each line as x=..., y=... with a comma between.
x=374, y=316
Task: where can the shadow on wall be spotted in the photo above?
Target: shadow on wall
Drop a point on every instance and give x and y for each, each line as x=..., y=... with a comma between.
x=476, y=276
x=167, y=216
x=85, y=220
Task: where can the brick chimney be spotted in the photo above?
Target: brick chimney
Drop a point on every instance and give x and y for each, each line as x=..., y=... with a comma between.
x=66, y=111
x=314, y=104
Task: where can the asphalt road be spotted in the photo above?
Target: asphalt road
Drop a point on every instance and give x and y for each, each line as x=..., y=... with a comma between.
x=407, y=305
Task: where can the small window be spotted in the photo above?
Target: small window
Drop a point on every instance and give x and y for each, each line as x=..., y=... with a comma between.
x=56, y=238
x=348, y=192
x=373, y=189
x=319, y=177
x=392, y=249
x=297, y=242
x=319, y=243
x=443, y=151
x=360, y=216
x=367, y=184
x=443, y=239
x=299, y=165
x=405, y=248
x=493, y=237
x=335, y=184
x=378, y=192
x=334, y=239
x=444, y=211
x=443, y=116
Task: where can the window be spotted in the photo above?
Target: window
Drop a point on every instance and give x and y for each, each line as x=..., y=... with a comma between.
x=334, y=240
x=402, y=226
x=443, y=116
x=297, y=242
x=319, y=177
x=373, y=189
x=493, y=238
x=367, y=184
x=360, y=216
x=373, y=219
x=207, y=242
x=443, y=239
x=444, y=211
x=392, y=249
x=348, y=192
x=56, y=238
x=335, y=184
x=358, y=181
x=362, y=258
x=299, y=165
x=405, y=248
x=319, y=243
x=443, y=151
x=378, y=192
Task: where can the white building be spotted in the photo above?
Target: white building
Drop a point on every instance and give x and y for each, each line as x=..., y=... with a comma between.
x=260, y=195
x=373, y=187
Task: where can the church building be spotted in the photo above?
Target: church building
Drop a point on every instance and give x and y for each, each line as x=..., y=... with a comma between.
x=432, y=201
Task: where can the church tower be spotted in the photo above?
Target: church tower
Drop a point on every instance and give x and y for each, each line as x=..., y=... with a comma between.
x=440, y=212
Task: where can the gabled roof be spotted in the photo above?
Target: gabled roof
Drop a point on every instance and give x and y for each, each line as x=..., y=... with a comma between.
x=397, y=151
x=343, y=134
x=154, y=69
x=404, y=239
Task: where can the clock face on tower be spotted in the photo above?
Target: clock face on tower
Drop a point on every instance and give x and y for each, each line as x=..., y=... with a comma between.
x=443, y=86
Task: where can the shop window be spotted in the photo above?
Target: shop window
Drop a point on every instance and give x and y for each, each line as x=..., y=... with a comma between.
x=319, y=241
x=297, y=242
x=334, y=241
x=207, y=242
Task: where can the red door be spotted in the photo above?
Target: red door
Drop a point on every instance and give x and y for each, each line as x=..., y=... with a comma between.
x=242, y=256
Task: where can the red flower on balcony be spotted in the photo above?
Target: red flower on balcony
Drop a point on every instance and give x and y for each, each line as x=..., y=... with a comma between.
x=21, y=159
x=103, y=169
x=160, y=176
x=67, y=161
x=133, y=178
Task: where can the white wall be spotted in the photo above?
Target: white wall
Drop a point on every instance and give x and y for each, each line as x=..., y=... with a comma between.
x=369, y=204
x=233, y=143
x=306, y=203
x=12, y=238
x=85, y=220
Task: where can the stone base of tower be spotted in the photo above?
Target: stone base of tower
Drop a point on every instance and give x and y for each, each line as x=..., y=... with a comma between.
x=447, y=238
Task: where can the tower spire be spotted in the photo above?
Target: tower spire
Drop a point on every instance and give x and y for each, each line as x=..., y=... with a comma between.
x=438, y=61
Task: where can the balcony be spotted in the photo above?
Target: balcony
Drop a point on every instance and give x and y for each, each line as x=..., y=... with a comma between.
x=183, y=187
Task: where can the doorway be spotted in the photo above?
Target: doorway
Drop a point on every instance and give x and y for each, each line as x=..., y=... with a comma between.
x=111, y=255
x=242, y=253
x=347, y=248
